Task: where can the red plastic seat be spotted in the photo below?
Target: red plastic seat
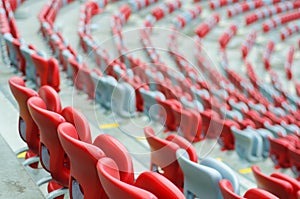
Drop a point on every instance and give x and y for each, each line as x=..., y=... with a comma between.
x=81, y=124
x=294, y=155
x=114, y=149
x=147, y=185
x=21, y=62
x=163, y=155
x=28, y=130
x=184, y=144
x=167, y=113
x=51, y=98
x=84, y=76
x=279, y=152
x=83, y=157
x=52, y=156
x=254, y=193
x=110, y=179
x=189, y=123
x=47, y=71
x=295, y=184
x=276, y=186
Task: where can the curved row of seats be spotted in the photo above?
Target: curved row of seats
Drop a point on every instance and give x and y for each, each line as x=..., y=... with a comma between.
x=262, y=138
x=236, y=103
x=28, y=60
x=284, y=152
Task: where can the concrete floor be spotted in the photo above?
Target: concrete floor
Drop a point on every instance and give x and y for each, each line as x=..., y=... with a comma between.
x=129, y=131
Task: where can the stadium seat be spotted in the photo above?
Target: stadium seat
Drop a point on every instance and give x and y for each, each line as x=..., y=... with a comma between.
x=148, y=184
x=274, y=185
x=84, y=181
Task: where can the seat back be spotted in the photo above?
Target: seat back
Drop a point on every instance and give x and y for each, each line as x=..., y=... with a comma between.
x=30, y=67
x=83, y=159
x=8, y=38
x=279, y=152
x=259, y=193
x=157, y=184
x=227, y=190
x=166, y=113
x=200, y=180
x=123, y=100
x=244, y=145
x=280, y=188
x=295, y=184
x=76, y=118
x=28, y=130
x=189, y=123
x=84, y=75
x=115, y=150
x=109, y=176
x=52, y=155
x=184, y=144
x=225, y=171
x=163, y=155
x=295, y=161
x=104, y=90
x=41, y=66
x=51, y=98
x=151, y=107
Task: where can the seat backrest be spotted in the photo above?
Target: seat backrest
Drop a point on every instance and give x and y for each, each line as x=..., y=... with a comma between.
x=184, y=144
x=52, y=155
x=81, y=124
x=259, y=193
x=28, y=130
x=123, y=100
x=150, y=102
x=295, y=161
x=295, y=184
x=30, y=68
x=200, y=180
x=227, y=190
x=115, y=150
x=41, y=65
x=280, y=188
x=225, y=171
x=244, y=145
x=83, y=160
x=51, y=98
x=163, y=155
x=113, y=186
x=279, y=152
x=157, y=184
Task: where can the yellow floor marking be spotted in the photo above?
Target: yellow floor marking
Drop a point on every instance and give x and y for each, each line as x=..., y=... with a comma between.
x=141, y=138
x=109, y=126
x=246, y=170
x=21, y=155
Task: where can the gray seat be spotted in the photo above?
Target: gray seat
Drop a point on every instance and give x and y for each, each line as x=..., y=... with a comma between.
x=265, y=134
x=239, y=106
x=191, y=104
x=199, y=94
x=124, y=100
x=30, y=67
x=199, y=180
x=232, y=114
x=105, y=86
x=248, y=145
x=151, y=106
x=225, y=171
x=291, y=128
x=8, y=38
x=276, y=130
x=260, y=108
